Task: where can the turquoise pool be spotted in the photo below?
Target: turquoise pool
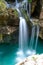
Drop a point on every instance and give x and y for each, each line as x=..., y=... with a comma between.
x=8, y=52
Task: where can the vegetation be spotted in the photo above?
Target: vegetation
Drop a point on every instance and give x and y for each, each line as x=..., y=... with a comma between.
x=2, y=6
x=30, y=1
x=24, y=12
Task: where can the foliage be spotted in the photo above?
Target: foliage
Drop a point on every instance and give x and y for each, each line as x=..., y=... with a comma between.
x=29, y=0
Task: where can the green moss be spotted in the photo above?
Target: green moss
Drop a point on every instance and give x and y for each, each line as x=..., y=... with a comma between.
x=2, y=5
x=29, y=1
x=15, y=13
x=25, y=15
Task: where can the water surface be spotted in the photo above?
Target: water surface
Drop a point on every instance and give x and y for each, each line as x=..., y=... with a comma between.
x=8, y=52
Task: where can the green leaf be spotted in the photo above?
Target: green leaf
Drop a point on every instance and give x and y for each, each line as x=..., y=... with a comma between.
x=29, y=1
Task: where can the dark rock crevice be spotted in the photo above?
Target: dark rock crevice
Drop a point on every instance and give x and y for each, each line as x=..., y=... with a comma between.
x=37, y=9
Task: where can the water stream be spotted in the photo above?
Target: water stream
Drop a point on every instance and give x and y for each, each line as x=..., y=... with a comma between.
x=23, y=34
x=23, y=49
x=37, y=34
x=32, y=37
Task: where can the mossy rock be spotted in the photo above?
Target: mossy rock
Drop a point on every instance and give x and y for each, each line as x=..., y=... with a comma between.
x=24, y=12
x=8, y=14
x=2, y=6
x=13, y=18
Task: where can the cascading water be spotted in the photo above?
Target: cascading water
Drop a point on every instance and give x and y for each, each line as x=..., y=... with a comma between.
x=37, y=34
x=17, y=5
x=32, y=37
x=23, y=35
x=23, y=39
x=33, y=45
x=31, y=51
x=16, y=2
x=25, y=4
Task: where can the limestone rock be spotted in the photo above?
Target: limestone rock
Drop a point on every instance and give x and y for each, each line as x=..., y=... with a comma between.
x=9, y=21
x=41, y=24
x=36, y=8
x=13, y=19
x=32, y=60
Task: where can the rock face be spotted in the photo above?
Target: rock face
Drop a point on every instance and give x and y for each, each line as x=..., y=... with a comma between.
x=36, y=8
x=41, y=24
x=9, y=21
x=37, y=13
x=12, y=1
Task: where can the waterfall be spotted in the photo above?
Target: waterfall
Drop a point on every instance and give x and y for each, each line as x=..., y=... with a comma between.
x=24, y=49
x=25, y=4
x=33, y=45
x=23, y=35
x=16, y=2
x=37, y=34
x=23, y=40
x=30, y=51
x=32, y=38
x=26, y=7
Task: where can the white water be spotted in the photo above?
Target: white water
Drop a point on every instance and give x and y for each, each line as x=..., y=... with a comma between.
x=16, y=2
x=37, y=34
x=25, y=7
x=23, y=39
x=33, y=45
x=32, y=37
x=25, y=4
x=30, y=51
x=23, y=34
